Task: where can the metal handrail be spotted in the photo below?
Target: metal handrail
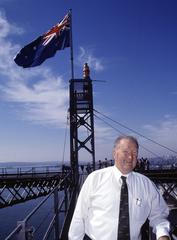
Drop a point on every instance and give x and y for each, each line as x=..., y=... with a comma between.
x=47, y=234
x=26, y=170
x=52, y=222
x=45, y=199
x=26, y=219
x=16, y=230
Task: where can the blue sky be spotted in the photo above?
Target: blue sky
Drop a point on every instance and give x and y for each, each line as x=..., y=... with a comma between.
x=132, y=45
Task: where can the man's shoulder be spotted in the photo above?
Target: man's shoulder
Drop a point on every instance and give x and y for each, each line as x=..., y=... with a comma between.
x=141, y=177
x=101, y=172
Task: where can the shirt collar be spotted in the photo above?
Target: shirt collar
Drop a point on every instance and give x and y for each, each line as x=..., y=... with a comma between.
x=118, y=174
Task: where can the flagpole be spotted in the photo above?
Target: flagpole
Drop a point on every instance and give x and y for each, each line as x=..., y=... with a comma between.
x=71, y=44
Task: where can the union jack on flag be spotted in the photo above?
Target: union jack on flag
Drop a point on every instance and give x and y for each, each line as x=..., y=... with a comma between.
x=45, y=46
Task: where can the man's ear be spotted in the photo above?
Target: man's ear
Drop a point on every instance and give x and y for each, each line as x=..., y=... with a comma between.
x=114, y=154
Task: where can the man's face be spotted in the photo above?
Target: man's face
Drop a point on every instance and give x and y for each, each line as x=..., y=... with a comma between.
x=125, y=155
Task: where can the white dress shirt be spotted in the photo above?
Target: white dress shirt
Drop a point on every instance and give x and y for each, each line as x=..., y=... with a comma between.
x=97, y=208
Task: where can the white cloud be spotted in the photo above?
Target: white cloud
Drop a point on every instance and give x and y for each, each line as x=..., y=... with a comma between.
x=86, y=56
x=45, y=100
x=6, y=28
x=104, y=133
x=163, y=132
x=104, y=140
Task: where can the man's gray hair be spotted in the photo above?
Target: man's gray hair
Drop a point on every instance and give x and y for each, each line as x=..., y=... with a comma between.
x=131, y=138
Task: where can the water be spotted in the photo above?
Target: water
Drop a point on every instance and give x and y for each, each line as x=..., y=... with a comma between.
x=10, y=215
x=40, y=220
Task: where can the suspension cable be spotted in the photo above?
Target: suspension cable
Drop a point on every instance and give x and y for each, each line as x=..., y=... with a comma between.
x=125, y=134
x=141, y=135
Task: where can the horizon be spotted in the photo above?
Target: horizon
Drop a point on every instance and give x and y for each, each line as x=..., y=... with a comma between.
x=152, y=159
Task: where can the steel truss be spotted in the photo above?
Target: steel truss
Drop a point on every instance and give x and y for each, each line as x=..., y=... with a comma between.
x=14, y=190
x=166, y=181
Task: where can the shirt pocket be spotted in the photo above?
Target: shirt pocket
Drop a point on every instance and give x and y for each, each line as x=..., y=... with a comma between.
x=140, y=209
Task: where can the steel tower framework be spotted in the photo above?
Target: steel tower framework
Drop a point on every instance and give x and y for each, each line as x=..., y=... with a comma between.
x=81, y=119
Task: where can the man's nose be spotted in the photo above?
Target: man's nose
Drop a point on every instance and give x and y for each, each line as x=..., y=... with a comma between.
x=130, y=156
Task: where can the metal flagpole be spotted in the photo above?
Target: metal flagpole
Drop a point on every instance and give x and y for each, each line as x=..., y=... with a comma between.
x=71, y=44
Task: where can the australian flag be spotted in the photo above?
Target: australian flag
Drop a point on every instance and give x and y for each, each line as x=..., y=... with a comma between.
x=45, y=46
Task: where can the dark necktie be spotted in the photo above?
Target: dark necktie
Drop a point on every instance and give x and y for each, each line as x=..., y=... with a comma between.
x=123, y=229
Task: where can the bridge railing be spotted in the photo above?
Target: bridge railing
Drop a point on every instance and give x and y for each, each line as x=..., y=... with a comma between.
x=26, y=230
x=21, y=171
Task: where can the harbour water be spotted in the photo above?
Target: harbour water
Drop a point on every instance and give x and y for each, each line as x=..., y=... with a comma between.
x=10, y=215
x=39, y=221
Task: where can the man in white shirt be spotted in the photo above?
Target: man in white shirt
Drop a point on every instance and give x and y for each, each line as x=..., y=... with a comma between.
x=97, y=209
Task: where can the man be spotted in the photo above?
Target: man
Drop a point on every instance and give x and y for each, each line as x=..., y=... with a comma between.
x=98, y=210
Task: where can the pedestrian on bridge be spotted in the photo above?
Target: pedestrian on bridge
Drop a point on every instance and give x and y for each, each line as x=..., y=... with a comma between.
x=115, y=202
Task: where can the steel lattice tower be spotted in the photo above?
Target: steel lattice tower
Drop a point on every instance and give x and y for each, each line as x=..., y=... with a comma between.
x=81, y=119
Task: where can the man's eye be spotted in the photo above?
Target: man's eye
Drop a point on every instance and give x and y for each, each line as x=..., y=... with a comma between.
x=133, y=153
x=125, y=152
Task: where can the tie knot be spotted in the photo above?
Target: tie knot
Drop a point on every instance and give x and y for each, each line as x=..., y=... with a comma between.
x=123, y=179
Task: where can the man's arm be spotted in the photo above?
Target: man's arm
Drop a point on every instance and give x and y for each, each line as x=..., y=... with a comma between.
x=158, y=215
x=77, y=227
